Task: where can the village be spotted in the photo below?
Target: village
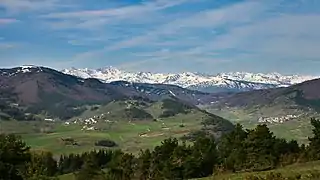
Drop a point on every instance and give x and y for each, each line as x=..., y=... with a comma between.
x=280, y=119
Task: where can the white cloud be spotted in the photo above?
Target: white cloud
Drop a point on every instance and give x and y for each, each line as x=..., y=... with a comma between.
x=17, y=6
x=7, y=21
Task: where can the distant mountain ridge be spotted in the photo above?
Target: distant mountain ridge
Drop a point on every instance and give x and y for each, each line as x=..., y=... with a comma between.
x=30, y=93
x=299, y=98
x=41, y=90
x=237, y=81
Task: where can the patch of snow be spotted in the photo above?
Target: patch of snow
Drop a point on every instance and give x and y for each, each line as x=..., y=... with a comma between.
x=27, y=66
x=172, y=93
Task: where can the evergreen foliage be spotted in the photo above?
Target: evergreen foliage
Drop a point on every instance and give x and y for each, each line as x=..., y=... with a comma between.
x=14, y=154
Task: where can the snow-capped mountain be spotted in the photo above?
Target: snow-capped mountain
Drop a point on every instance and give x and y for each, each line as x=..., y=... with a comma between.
x=234, y=81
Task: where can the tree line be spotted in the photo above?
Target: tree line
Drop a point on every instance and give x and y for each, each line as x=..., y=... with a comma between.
x=240, y=150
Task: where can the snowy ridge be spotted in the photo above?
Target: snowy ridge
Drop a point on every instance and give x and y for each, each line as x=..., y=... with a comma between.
x=21, y=69
x=233, y=80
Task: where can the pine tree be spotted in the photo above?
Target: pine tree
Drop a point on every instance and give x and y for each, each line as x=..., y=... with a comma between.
x=41, y=164
x=121, y=167
x=205, y=150
x=314, y=145
x=90, y=170
x=144, y=163
x=260, y=151
x=231, y=149
x=14, y=154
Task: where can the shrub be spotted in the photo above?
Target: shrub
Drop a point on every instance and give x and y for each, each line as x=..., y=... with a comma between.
x=136, y=113
x=94, y=108
x=167, y=113
x=106, y=143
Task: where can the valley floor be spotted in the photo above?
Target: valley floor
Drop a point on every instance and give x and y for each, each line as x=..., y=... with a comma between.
x=130, y=136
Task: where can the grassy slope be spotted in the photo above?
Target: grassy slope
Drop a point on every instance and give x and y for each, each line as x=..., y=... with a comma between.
x=67, y=177
x=288, y=170
x=299, y=129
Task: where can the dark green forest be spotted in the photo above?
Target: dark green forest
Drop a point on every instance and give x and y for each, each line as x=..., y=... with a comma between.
x=242, y=150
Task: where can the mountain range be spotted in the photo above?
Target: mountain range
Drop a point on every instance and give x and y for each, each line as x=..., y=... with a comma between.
x=29, y=93
x=222, y=82
x=33, y=89
x=41, y=90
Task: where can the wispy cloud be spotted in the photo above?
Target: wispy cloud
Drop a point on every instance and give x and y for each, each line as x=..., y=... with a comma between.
x=126, y=11
x=88, y=19
x=285, y=36
x=7, y=21
x=189, y=26
x=212, y=18
x=17, y=6
x=4, y=46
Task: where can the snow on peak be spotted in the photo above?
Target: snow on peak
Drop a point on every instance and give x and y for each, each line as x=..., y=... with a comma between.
x=237, y=80
x=28, y=68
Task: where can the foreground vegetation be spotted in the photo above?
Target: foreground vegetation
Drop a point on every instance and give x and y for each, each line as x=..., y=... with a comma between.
x=303, y=169
x=255, y=150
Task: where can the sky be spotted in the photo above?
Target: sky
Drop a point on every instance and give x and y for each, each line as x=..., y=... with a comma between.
x=208, y=36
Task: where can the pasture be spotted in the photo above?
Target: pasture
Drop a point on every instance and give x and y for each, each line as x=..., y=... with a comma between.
x=130, y=136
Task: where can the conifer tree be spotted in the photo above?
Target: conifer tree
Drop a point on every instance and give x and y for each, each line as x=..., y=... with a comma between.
x=90, y=170
x=231, y=149
x=14, y=154
x=144, y=163
x=41, y=164
x=259, y=149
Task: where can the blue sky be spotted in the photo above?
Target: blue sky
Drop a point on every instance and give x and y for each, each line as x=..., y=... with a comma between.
x=163, y=35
